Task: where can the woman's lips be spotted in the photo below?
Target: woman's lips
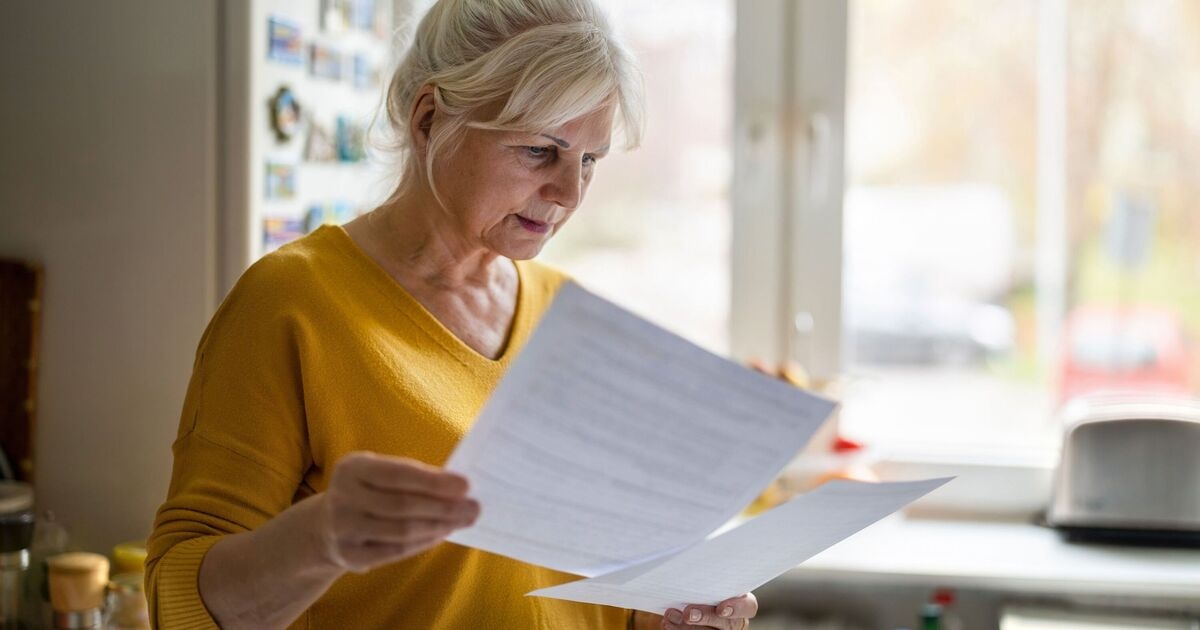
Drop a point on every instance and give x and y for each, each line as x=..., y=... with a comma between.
x=537, y=227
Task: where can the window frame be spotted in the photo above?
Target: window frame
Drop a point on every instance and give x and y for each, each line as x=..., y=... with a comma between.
x=790, y=76
x=789, y=173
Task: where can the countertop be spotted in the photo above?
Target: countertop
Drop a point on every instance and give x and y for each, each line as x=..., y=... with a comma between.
x=1002, y=556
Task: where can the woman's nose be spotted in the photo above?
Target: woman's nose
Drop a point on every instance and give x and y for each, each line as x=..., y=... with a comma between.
x=566, y=187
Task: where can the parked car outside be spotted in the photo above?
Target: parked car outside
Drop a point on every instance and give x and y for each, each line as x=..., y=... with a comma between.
x=1134, y=348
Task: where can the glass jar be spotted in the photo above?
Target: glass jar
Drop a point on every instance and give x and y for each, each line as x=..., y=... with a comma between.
x=16, y=534
x=127, y=607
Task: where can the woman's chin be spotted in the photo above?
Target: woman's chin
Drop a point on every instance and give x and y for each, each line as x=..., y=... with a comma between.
x=524, y=250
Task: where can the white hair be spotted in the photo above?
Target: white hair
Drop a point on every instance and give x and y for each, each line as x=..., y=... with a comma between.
x=548, y=61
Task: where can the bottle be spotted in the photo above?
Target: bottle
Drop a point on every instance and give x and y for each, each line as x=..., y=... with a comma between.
x=127, y=608
x=931, y=617
x=49, y=539
x=78, y=584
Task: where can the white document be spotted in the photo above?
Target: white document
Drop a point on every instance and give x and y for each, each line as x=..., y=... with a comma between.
x=611, y=442
x=748, y=556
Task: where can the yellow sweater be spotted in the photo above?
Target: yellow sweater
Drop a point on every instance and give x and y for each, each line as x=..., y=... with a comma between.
x=315, y=353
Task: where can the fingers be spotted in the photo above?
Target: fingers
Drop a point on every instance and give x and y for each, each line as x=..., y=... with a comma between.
x=742, y=606
x=398, y=488
x=730, y=614
x=393, y=504
x=698, y=616
x=363, y=542
x=760, y=366
x=400, y=474
x=368, y=530
x=380, y=509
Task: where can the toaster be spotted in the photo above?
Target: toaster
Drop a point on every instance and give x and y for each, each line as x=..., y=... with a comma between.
x=1129, y=472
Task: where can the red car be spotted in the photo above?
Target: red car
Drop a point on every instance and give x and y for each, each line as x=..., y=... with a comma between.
x=1131, y=349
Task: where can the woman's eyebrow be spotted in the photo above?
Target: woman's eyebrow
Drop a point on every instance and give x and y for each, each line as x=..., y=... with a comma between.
x=567, y=145
x=559, y=141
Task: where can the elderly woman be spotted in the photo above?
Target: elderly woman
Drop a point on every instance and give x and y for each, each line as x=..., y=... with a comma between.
x=342, y=369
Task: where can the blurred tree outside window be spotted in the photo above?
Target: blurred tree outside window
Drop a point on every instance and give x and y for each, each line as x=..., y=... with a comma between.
x=940, y=270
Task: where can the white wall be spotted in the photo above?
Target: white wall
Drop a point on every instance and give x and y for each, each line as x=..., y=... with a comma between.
x=107, y=178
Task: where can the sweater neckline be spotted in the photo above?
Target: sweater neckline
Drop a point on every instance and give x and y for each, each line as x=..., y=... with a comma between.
x=416, y=312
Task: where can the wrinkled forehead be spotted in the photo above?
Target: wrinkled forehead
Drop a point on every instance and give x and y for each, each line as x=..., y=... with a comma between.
x=591, y=130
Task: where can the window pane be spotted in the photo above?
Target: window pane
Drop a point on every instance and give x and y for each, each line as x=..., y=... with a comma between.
x=653, y=233
x=950, y=274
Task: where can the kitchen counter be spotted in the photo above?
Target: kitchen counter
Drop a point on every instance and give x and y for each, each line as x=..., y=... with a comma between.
x=1002, y=556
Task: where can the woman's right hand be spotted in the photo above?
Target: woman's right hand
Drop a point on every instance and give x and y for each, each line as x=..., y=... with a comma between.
x=379, y=509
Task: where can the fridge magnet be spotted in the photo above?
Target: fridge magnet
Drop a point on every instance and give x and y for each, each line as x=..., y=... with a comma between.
x=283, y=41
x=326, y=213
x=285, y=114
x=362, y=14
x=364, y=73
x=333, y=16
x=315, y=217
x=319, y=146
x=325, y=62
x=335, y=212
x=281, y=181
x=343, y=211
x=350, y=138
x=279, y=231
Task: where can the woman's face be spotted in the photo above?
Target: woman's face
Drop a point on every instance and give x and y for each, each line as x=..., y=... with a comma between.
x=510, y=192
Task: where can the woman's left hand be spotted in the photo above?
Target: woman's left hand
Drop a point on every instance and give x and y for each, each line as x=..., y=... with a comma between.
x=731, y=614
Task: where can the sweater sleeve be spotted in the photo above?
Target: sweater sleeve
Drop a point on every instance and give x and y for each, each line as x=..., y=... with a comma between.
x=242, y=447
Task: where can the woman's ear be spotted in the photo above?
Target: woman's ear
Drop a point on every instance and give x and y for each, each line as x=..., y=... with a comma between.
x=420, y=120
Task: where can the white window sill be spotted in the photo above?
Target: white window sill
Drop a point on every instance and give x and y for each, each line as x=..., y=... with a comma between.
x=1001, y=556
x=988, y=485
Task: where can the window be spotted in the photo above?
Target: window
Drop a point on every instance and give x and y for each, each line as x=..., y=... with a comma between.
x=1020, y=218
x=940, y=231
x=968, y=212
x=653, y=233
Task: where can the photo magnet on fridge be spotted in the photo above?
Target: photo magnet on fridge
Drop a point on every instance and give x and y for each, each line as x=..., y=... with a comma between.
x=281, y=181
x=319, y=145
x=279, y=231
x=283, y=41
x=350, y=137
x=365, y=74
x=333, y=19
x=325, y=62
x=285, y=114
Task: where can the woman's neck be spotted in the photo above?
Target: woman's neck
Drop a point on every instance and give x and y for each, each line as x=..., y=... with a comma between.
x=416, y=241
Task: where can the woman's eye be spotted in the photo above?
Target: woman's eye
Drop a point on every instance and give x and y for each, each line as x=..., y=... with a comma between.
x=538, y=152
x=589, y=159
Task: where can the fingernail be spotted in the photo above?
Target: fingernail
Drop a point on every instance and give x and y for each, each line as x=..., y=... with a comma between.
x=673, y=616
x=694, y=615
x=727, y=611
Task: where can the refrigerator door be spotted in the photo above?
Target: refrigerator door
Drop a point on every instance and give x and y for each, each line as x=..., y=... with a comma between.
x=301, y=81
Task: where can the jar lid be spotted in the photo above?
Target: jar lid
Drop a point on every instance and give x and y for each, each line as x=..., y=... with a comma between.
x=129, y=557
x=15, y=496
x=78, y=562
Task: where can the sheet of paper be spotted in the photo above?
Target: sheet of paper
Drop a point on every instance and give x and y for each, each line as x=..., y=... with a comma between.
x=610, y=442
x=751, y=554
